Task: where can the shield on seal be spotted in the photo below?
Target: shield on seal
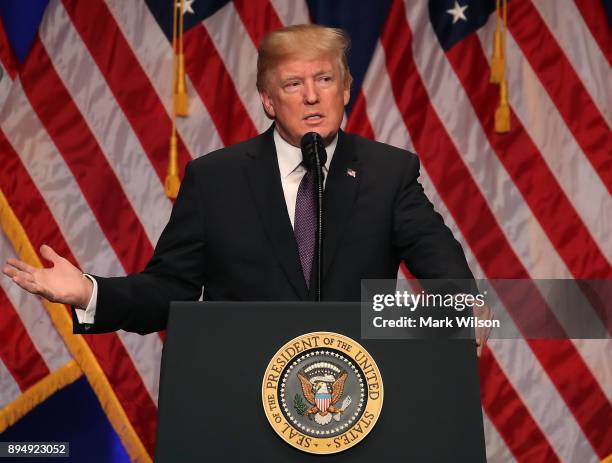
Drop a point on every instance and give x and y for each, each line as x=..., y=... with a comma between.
x=323, y=401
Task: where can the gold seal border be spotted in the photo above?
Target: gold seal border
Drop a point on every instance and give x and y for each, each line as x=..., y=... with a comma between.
x=373, y=406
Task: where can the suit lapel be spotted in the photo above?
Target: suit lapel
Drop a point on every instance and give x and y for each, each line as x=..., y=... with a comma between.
x=340, y=193
x=263, y=177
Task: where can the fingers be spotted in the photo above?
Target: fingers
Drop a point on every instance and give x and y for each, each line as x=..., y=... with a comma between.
x=19, y=276
x=20, y=265
x=479, y=347
x=13, y=272
x=28, y=284
x=48, y=253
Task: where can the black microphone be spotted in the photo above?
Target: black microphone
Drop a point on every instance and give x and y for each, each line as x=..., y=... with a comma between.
x=313, y=149
x=314, y=157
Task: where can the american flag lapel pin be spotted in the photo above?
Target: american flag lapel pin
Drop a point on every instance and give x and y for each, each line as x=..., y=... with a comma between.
x=351, y=173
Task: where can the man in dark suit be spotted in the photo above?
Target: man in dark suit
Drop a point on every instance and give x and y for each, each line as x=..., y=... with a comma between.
x=232, y=227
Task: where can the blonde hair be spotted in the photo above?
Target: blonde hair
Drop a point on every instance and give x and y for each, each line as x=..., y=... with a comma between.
x=309, y=41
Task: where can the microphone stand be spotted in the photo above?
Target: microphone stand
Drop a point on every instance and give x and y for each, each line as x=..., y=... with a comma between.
x=318, y=251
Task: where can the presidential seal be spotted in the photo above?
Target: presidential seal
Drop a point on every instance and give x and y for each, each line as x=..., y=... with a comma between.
x=322, y=392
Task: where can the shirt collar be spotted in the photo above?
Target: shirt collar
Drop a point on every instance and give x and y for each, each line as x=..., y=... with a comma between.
x=290, y=157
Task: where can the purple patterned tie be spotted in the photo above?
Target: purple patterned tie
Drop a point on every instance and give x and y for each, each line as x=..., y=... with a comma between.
x=305, y=223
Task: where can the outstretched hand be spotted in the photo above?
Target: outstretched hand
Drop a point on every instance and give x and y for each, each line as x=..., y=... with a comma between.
x=482, y=334
x=62, y=282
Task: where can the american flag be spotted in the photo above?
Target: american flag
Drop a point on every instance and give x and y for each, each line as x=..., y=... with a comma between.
x=85, y=120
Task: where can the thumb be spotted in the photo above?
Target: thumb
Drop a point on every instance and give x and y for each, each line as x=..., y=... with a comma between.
x=49, y=254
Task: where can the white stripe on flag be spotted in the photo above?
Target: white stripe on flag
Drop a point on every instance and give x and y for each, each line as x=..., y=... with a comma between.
x=5, y=85
x=497, y=450
x=9, y=389
x=567, y=26
x=291, y=11
x=597, y=353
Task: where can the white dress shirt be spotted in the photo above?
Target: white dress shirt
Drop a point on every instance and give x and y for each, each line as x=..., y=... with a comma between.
x=291, y=172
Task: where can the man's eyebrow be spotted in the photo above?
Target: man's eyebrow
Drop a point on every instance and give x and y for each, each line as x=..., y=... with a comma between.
x=291, y=77
x=298, y=77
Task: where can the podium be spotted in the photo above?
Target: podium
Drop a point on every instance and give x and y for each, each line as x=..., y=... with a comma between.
x=213, y=364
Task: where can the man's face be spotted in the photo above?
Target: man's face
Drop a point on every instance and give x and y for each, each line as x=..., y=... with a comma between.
x=306, y=95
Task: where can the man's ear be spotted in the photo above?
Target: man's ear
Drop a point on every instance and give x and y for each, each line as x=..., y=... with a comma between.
x=268, y=106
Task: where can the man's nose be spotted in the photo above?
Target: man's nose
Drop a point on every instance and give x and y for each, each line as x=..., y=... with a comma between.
x=311, y=94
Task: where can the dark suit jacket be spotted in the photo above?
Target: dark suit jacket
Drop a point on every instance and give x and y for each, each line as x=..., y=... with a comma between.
x=230, y=232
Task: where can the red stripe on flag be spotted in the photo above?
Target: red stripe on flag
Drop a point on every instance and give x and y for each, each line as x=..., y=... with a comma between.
x=213, y=83
x=7, y=57
x=259, y=17
x=17, y=350
x=563, y=85
x=598, y=23
x=358, y=121
x=127, y=81
x=527, y=168
x=41, y=227
x=462, y=196
x=79, y=148
x=505, y=408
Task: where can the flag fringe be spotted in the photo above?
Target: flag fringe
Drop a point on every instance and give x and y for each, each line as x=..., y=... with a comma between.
x=181, y=100
x=502, y=113
x=172, y=182
x=38, y=393
x=498, y=63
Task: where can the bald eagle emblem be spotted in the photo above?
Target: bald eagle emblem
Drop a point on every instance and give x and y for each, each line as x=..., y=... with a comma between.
x=322, y=385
